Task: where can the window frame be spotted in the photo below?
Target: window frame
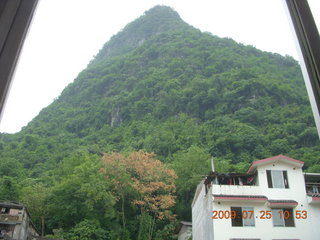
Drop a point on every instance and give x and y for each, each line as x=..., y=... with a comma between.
x=15, y=19
x=307, y=36
x=286, y=222
x=271, y=179
x=241, y=222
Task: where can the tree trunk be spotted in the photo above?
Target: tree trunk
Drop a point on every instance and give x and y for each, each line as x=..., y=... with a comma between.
x=42, y=227
x=152, y=227
x=140, y=224
x=123, y=216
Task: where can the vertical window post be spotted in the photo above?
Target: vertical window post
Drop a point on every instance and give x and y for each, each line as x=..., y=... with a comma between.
x=307, y=36
x=15, y=16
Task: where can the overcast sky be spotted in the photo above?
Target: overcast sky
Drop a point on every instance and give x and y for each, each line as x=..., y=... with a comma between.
x=66, y=34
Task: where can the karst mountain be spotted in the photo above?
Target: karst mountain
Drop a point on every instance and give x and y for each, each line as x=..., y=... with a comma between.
x=162, y=86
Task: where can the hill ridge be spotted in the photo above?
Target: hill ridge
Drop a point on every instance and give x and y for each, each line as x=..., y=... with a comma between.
x=182, y=94
x=156, y=20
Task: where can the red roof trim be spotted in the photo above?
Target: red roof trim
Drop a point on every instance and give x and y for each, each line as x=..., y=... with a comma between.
x=240, y=198
x=273, y=158
x=284, y=203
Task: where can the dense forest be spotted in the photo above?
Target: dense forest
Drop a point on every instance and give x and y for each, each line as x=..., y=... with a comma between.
x=119, y=153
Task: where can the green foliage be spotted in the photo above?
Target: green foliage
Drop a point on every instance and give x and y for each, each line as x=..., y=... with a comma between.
x=161, y=86
x=80, y=193
x=36, y=198
x=9, y=188
x=87, y=230
x=191, y=166
x=145, y=221
x=11, y=167
x=141, y=183
x=167, y=232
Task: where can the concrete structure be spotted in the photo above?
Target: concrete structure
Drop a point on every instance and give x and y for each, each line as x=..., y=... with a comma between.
x=274, y=200
x=184, y=230
x=15, y=222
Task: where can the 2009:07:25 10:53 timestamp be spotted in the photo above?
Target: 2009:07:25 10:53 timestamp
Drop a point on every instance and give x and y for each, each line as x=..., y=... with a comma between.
x=299, y=214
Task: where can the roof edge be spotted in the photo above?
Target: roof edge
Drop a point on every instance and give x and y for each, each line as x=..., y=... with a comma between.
x=262, y=161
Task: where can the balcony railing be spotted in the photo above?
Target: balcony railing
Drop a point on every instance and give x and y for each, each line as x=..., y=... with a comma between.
x=313, y=188
x=236, y=189
x=9, y=218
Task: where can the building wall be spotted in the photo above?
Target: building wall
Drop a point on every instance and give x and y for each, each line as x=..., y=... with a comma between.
x=201, y=215
x=296, y=190
x=237, y=190
x=306, y=229
x=185, y=233
x=21, y=229
x=263, y=228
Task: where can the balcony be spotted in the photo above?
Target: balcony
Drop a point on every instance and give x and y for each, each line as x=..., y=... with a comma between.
x=313, y=188
x=232, y=183
x=10, y=219
x=237, y=193
x=312, y=181
x=236, y=190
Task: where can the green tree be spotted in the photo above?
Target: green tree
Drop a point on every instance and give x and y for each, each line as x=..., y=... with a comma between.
x=152, y=182
x=87, y=230
x=36, y=198
x=191, y=167
x=81, y=194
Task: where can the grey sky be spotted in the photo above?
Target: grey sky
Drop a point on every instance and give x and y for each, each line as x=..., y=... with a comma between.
x=66, y=34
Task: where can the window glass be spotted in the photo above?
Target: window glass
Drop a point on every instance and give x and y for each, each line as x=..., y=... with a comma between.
x=277, y=217
x=277, y=179
x=248, y=216
x=282, y=217
x=315, y=9
x=288, y=217
x=285, y=177
x=246, y=239
x=237, y=221
x=244, y=217
x=237, y=103
x=269, y=178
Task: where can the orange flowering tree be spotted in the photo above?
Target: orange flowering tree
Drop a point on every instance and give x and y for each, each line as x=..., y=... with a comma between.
x=148, y=182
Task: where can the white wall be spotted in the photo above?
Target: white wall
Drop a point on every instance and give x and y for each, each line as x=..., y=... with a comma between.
x=185, y=232
x=263, y=228
x=307, y=229
x=304, y=229
x=202, y=227
x=237, y=190
x=296, y=191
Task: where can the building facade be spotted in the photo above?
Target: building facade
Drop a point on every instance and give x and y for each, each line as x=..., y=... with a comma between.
x=274, y=200
x=15, y=222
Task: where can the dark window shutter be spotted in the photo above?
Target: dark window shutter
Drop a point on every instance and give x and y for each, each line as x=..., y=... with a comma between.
x=237, y=222
x=285, y=179
x=289, y=222
x=269, y=178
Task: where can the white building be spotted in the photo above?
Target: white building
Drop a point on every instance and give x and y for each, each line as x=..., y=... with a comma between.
x=274, y=200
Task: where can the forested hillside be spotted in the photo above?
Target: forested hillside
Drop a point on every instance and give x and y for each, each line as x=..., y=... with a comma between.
x=161, y=86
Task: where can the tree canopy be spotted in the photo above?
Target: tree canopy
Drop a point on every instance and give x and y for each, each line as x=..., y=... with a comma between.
x=159, y=99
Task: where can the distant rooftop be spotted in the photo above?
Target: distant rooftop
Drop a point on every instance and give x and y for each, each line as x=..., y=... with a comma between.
x=8, y=204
